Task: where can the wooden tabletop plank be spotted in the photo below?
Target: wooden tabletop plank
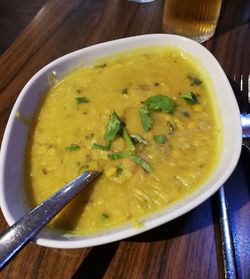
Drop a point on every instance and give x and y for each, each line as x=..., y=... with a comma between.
x=15, y=16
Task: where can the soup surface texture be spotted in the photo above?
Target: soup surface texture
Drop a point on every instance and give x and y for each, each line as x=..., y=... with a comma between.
x=146, y=118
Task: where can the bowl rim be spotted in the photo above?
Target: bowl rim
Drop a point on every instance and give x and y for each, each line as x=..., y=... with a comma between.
x=185, y=206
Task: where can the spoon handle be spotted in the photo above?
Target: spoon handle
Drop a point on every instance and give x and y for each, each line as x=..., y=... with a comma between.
x=12, y=240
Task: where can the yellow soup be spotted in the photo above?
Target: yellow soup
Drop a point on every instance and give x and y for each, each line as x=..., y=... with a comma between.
x=145, y=118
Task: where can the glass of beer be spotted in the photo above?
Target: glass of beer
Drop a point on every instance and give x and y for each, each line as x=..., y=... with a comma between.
x=196, y=19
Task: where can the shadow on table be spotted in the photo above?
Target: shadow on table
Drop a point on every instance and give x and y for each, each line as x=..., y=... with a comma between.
x=186, y=224
x=97, y=261
x=233, y=14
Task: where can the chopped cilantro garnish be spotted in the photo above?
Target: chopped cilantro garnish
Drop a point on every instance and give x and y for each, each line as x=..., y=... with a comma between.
x=141, y=162
x=113, y=128
x=155, y=103
x=146, y=118
x=138, y=139
x=101, y=147
x=160, y=139
x=104, y=215
x=128, y=139
x=194, y=80
x=81, y=100
x=160, y=103
x=72, y=147
x=190, y=98
x=119, y=170
x=119, y=155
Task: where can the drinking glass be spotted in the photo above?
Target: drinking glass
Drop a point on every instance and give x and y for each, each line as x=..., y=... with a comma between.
x=196, y=19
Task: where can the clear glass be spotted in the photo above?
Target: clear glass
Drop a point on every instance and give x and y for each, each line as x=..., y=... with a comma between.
x=195, y=19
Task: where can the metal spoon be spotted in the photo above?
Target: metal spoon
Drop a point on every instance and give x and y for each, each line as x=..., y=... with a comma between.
x=12, y=240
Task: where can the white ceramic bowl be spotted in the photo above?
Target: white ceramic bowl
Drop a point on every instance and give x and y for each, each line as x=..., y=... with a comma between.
x=13, y=201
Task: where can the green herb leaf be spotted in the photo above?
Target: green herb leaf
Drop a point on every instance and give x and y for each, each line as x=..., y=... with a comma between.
x=146, y=118
x=72, y=147
x=128, y=139
x=160, y=139
x=190, y=98
x=101, y=147
x=160, y=103
x=138, y=139
x=141, y=162
x=194, y=80
x=81, y=100
x=104, y=215
x=119, y=155
x=119, y=170
x=113, y=128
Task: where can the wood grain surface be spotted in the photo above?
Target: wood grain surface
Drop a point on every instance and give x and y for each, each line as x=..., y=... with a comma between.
x=188, y=247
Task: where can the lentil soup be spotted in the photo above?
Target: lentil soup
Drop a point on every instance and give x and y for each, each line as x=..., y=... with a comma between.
x=145, y=118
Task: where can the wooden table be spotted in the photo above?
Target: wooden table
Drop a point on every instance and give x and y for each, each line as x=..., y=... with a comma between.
x=188, y=247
